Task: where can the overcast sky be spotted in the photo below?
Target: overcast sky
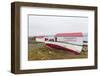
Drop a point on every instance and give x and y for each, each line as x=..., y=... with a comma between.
x=50, y=25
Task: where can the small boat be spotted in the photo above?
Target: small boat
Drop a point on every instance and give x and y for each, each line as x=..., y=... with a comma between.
x=76, y=49
x=72, y=42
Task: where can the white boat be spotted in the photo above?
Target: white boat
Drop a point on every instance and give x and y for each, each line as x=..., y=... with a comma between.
x=76, y=49
x=72, y=42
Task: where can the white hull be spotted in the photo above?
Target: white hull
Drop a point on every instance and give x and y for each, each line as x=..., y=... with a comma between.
x=72, y=48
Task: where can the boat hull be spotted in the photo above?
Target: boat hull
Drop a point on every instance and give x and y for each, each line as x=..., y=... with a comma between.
x=72, y=48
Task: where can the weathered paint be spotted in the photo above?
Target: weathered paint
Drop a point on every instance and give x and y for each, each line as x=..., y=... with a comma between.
x=64, y=46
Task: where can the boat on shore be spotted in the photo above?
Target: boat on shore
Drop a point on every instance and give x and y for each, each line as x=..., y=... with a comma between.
x=76, y=49
x=72, y=42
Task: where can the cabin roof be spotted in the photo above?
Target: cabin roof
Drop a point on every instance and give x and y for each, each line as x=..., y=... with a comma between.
x=78, y=34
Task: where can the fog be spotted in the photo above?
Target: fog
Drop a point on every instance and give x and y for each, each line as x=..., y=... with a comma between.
x=50, y=25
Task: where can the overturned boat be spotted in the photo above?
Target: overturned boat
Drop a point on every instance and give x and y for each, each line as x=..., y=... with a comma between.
x=72, y=42
x=65, y=46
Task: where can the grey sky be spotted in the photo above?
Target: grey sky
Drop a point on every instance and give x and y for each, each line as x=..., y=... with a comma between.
x=49, y=25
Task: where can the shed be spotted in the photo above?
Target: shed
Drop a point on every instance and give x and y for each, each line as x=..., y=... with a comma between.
x=71, y=38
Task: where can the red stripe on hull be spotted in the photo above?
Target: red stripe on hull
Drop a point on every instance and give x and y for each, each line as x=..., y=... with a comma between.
x=62, y=48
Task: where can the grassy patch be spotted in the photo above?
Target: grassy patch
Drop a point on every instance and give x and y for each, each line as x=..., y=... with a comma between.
x=39, y=51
